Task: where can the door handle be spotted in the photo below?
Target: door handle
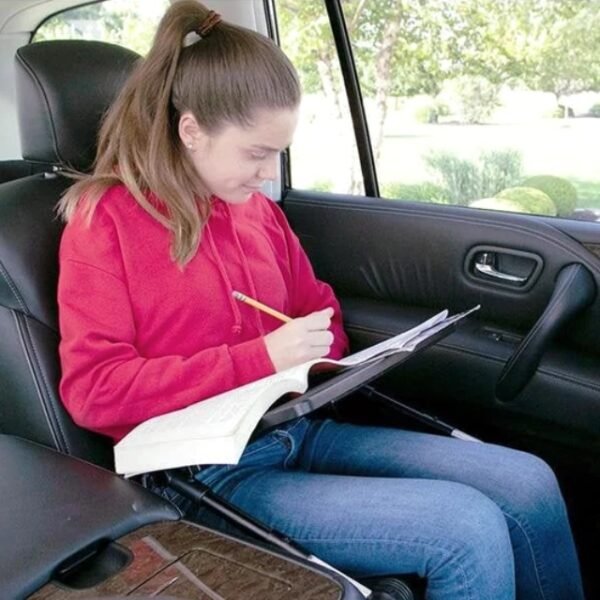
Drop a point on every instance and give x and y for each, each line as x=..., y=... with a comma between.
x=574, y=290
x=484, y=265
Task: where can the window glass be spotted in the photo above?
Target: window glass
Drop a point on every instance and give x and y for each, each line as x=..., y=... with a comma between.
x=129, y=23
x=324, y=155
x=483, y=103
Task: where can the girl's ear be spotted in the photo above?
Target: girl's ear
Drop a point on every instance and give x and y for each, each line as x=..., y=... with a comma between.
x=190, y=133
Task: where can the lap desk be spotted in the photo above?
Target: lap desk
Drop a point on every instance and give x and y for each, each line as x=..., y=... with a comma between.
x=71, y=530
x=340, y=385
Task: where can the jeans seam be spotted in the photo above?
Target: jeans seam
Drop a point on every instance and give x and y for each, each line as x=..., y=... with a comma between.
x=539, y=576
x=293, y=445
x=290, y=449
x=446, y=550
x=255, y=450
x=277, y=440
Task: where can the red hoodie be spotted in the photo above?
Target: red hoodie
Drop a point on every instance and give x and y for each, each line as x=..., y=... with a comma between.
x=141, y=336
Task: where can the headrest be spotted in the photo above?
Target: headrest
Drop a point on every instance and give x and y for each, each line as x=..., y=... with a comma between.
x=64, y=87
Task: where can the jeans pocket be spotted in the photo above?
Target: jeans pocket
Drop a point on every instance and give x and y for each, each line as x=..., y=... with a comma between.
x=277, y=448
x=265, y=452
x=286, y=439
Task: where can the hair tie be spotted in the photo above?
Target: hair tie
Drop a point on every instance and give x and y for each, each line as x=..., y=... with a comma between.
x=211, y=20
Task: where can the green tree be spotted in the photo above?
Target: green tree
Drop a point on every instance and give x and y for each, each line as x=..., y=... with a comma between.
x=563, y=41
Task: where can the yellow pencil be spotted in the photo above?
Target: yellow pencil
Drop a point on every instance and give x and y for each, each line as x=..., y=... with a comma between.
x=260, y=306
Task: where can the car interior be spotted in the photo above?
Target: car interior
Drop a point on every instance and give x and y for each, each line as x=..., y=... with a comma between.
x=525, y=372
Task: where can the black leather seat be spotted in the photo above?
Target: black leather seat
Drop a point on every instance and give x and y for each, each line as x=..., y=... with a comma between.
x=15, y=169
x=63, y=89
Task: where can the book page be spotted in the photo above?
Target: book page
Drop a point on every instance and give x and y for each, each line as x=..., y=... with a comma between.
x=214, y=416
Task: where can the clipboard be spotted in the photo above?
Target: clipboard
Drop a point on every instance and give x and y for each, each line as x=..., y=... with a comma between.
x=351, y=379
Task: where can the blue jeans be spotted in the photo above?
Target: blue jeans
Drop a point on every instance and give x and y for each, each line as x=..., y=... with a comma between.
x=479, y=521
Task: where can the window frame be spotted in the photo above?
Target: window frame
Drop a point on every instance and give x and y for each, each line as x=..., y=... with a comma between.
x=354, y=96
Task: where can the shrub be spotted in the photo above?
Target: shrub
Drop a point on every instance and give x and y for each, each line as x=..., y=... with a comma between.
x=420, y=192
x=479, y=97
x=530, y=200
x=459, y=176
x=499, y=169
x=595, y=110
x=466, y=180
x=498, y=204
x=561, y=192
x=426, y=114
x=322, y=185
x=431, y=112
x=558, y=112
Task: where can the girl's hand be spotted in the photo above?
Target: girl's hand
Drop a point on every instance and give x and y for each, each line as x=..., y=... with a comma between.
x=300, y=340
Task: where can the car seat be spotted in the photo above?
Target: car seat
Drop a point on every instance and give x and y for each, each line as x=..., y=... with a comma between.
x=63, y=89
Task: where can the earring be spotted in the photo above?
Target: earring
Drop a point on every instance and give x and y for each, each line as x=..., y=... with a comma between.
x=190, y=146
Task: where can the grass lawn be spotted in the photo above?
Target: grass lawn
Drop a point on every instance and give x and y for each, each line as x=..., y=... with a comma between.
x=588, y=193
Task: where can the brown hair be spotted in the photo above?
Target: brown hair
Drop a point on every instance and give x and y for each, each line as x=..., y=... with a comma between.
x=223, y=77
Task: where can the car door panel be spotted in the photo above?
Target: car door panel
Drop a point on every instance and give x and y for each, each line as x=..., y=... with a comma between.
x=393, y=264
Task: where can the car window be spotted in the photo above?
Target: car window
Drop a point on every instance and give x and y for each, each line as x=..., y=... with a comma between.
x=129, y=23
x=324, y=154
x=472, y=103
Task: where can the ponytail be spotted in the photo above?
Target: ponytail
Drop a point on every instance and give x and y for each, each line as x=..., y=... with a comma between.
x=220, y=72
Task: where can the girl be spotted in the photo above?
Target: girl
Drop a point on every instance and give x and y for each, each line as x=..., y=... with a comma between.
x=170, y=222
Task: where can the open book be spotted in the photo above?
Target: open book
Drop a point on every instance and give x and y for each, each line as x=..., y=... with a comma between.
x=216, y=430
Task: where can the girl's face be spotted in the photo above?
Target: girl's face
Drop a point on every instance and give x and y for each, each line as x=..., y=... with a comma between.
x=235, y=161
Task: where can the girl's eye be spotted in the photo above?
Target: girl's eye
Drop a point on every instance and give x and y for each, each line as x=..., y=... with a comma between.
x=258, y=155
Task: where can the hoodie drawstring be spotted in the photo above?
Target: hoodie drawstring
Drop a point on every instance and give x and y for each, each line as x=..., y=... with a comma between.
x=237, y=316
x=245, y=267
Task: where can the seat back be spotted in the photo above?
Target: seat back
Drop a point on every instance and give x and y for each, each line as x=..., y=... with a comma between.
x=15, y=169
x=63, y=90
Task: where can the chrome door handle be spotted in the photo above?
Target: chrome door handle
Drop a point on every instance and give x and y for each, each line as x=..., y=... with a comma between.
x=484, y=264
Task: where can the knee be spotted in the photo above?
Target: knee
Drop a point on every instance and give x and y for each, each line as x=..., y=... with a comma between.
x=477, y=547
x=533, y=487
x=479, y=526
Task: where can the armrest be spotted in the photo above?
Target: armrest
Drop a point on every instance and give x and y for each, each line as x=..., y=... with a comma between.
x=53, y=506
